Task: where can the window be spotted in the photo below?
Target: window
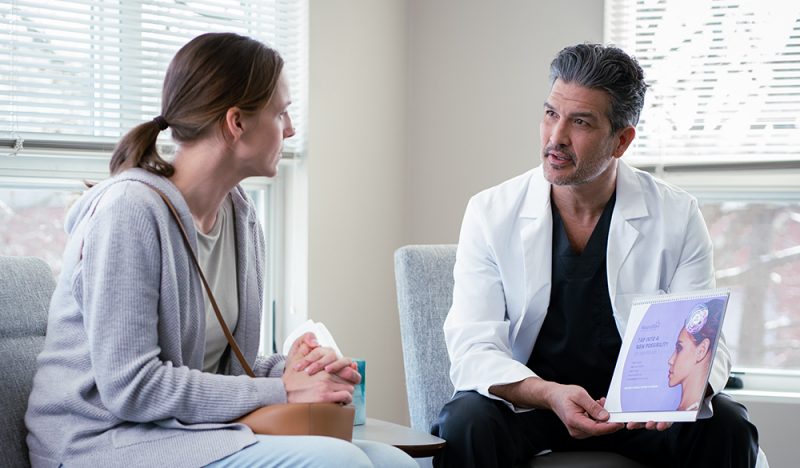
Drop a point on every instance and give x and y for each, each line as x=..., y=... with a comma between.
x=75, y=75
x=724, y=76
x=722, y=120
x=32, y=222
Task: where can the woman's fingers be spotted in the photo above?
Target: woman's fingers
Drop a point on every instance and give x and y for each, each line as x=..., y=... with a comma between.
x=346, y=373
x=341, y=396
x=340, y=364
x=302, y=346
x=316, y=360
x=307, y=338
x=323, y=387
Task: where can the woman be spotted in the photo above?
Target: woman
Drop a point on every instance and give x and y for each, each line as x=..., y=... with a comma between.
x=135, y=370
x=690, y=362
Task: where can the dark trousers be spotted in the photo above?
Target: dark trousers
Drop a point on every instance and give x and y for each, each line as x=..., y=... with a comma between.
x=481, y=432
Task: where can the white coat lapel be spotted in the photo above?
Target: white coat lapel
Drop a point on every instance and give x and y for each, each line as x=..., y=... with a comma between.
x=623, y=233
x=536, y=235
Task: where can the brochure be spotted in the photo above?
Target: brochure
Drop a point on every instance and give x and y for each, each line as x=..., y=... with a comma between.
x=666, y=356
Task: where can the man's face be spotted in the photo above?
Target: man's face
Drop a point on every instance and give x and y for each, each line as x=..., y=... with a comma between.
x=577, y=143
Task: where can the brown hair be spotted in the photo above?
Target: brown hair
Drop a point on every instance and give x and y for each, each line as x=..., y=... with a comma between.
x=210, y=74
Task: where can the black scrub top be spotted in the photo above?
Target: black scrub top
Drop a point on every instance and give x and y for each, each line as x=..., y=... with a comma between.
x=578, y=343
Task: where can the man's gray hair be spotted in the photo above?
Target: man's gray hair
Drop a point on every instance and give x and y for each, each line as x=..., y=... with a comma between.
x=608, y=68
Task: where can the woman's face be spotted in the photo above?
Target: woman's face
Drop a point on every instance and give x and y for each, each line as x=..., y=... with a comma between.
x=683, y=360
x=263, y=142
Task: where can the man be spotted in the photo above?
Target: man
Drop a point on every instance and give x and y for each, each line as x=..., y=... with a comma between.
x=547, y=266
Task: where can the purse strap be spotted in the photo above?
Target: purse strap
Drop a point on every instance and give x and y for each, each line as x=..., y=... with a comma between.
x=225, y=329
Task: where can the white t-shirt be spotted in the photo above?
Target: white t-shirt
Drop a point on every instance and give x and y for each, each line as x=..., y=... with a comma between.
x=217, y=256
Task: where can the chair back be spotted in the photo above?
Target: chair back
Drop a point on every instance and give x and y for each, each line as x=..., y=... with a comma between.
x=26, y=285
x=424, y=277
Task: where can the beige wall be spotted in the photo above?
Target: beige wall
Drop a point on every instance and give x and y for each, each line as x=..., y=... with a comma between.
x=357, y=147
x=477, y=80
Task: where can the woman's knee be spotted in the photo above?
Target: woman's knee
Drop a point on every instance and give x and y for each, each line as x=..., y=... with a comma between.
x=384, y=455
x=327, y=451
x=305, y=451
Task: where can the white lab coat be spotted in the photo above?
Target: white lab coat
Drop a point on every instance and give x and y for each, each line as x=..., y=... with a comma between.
x=657, y=242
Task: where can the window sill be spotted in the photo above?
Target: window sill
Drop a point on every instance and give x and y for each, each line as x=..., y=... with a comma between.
x=764, y=396
x=770, y=386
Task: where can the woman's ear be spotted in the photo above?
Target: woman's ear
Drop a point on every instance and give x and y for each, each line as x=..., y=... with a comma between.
x=234, y=124
x=702, y=350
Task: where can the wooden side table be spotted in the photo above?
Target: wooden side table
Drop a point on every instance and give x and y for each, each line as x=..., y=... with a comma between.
x=415, y=443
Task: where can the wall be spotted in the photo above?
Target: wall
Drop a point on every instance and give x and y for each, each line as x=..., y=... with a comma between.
x=478, y=75
x=357, y=147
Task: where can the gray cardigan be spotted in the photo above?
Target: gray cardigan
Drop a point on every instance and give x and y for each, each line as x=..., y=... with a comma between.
x=119, y=382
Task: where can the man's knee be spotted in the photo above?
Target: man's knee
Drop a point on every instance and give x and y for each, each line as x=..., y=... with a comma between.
x=468, y=415
x=477, y=432
x=731, y=418
x=729, y=430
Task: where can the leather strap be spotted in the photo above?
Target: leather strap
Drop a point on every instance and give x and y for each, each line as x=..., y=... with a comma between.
x=225, y=329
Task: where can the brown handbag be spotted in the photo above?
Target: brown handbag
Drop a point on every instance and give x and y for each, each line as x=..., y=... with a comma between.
x=323, y=419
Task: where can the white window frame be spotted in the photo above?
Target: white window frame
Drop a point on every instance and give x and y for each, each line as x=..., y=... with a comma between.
x=771, y=180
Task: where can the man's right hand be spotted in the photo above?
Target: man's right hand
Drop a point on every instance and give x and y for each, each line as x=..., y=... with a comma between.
x=322, y=387
x=581, y=414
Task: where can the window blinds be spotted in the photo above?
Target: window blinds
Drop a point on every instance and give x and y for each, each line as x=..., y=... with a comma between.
x=76, y=75
x=724, y=76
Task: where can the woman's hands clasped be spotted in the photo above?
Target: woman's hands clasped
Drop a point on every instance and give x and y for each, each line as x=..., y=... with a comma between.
x=314, y=374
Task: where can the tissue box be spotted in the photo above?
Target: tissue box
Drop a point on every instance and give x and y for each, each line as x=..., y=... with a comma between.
x=360, y=394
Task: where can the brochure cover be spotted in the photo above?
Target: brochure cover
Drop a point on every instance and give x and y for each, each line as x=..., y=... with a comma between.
x=666, y=355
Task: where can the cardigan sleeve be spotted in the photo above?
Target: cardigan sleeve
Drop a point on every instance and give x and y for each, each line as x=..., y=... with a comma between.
x=270, y=366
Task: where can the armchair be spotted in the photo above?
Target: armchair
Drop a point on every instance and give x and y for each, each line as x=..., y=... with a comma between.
x=424, y=276
x=27, y=284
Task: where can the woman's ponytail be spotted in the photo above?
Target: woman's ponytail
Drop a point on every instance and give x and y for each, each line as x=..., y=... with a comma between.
x=138, y=149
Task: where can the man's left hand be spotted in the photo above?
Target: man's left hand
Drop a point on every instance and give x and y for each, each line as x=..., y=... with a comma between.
x=649, y=425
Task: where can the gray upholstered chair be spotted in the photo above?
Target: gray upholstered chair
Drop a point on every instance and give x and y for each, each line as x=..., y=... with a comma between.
x=26, y=284
x=424, y=275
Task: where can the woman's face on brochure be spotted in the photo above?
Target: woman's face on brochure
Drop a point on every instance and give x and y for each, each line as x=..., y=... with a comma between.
x=683, y=360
